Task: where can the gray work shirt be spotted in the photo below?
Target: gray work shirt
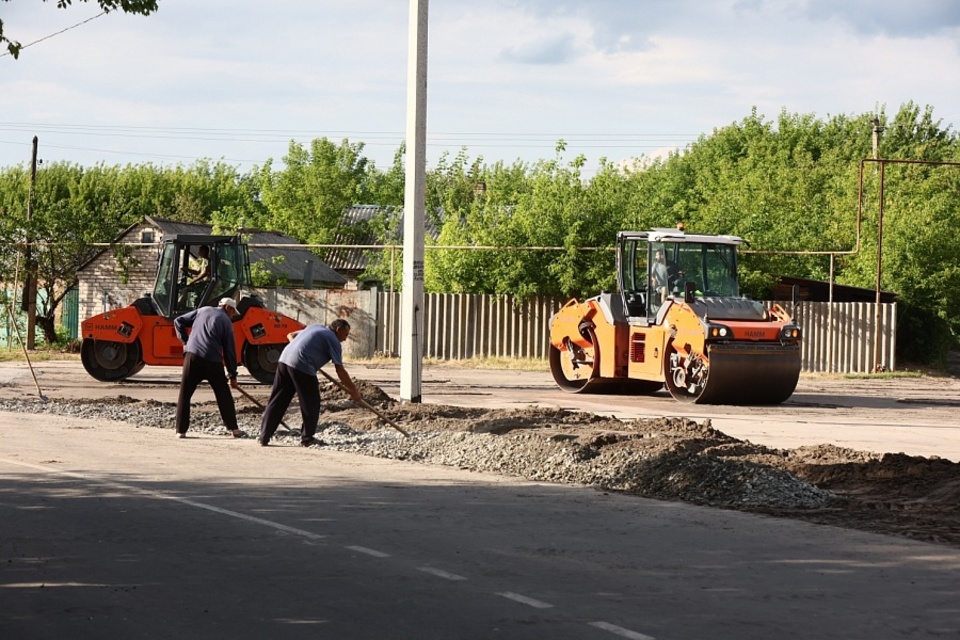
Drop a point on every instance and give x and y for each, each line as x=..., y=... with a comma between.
x=211, y=338
x=313, y=347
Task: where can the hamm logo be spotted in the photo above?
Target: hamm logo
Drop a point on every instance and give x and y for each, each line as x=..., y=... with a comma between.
x=755, y=333
x=100, y=327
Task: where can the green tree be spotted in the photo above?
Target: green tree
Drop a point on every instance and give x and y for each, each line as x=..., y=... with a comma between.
x=64, y=224
x=306, y=198
x=74, y=208
x=141, y=7
x=921, y=206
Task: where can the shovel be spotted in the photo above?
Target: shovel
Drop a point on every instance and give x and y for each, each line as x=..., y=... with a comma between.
x=365, y=404
x=256, y=402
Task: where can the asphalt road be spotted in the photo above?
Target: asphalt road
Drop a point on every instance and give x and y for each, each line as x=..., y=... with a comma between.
x=107, y=531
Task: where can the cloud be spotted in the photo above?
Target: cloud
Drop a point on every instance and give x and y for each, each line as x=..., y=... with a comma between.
x=916, y=18
x=617, y=26
x=550, y=50
x=507, y=78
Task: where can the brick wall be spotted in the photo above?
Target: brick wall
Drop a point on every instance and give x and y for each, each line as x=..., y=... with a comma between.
x=99, y=283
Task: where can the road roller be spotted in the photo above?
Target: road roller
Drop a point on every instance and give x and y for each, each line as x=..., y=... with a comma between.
x=678, y=321
x=194, y=271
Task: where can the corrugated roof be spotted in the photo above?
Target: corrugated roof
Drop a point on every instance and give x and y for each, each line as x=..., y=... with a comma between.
x=354, y=261
x=294, y=259
x=351, y=260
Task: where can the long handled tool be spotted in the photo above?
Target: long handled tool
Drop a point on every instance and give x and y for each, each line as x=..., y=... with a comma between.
x=257, y=402
x=365, y=404
x=25, y=354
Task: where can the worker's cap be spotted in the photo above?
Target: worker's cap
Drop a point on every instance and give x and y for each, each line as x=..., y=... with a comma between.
x=229, y=303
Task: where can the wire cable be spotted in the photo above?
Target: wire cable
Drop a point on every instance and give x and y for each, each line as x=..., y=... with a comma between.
x=79, y=24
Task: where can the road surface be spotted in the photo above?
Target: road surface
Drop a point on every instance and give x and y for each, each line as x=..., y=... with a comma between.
x=113, y=532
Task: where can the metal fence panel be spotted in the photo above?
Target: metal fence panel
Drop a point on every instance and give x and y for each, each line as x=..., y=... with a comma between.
x=838, y=337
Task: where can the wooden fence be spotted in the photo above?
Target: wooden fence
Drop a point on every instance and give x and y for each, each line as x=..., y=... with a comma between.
x=838, y=337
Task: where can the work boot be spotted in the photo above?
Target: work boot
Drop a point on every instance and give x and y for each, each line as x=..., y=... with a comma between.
x=311, y=442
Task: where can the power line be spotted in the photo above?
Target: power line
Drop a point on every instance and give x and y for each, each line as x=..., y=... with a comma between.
x=478, y=143
x=490, y=139
x=79, y=24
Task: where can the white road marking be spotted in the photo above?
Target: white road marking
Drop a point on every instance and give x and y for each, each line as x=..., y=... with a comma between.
x=440, y=573
x=163, y=496
x=516, y=597
x=50, y=585
x=369, y=552
x=619, y=631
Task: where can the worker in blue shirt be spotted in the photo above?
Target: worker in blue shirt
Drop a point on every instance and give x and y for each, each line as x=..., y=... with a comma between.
x=210, y=344
x=309, y=349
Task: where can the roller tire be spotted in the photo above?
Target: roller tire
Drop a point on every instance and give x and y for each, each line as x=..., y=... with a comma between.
x=680, y=388
x=109, y=361
x=261, y=360
x=575, y=379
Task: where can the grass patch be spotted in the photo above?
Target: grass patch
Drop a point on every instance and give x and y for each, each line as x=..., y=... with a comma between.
x=37, y=355
x=884, y=375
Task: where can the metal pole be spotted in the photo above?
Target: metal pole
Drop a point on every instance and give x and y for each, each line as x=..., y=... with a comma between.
x=411, y=318
x=830, y=333
x=31, y=278
x=876, y=314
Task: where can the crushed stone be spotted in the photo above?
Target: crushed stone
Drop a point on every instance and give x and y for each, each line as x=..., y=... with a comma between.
x=665, y=458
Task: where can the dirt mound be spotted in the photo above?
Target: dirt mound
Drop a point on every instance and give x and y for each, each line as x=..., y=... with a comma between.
x=335, y=398
x=683, y=459
x=665, y=458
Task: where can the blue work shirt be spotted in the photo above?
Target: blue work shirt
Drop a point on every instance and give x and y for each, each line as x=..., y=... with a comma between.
x=211, y=338
x=313, y=347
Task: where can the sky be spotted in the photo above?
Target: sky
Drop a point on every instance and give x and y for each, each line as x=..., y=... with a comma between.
x=238, y=80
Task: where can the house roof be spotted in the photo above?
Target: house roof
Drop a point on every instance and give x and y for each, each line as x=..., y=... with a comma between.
x=289, y=261
x=351, y=260
x=819, y=291
x=295, y=257
x=348, y=259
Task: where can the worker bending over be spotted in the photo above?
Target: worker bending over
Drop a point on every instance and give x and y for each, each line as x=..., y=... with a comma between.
x=309, y=350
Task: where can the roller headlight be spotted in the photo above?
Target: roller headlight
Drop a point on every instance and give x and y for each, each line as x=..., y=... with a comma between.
x=790, y=333
x=718, y=332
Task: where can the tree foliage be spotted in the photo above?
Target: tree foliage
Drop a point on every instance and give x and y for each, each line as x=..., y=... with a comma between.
x=76, y=208
x=307, y=197
x=789, y=185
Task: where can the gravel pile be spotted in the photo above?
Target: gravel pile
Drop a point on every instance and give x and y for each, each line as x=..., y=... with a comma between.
x=673, y=459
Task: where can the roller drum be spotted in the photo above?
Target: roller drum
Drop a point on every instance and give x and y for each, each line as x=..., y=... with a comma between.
x=752, y=373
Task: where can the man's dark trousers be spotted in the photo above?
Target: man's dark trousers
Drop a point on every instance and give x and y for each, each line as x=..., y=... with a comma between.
x=287, y=382
x=195, y=371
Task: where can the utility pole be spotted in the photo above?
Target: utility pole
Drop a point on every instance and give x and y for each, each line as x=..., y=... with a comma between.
x=30, y=286
x=877, y=130
x=411, y=311
x=877, y=366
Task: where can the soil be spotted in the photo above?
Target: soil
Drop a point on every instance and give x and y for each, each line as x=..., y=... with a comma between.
x=669, y=458
x=891, y=493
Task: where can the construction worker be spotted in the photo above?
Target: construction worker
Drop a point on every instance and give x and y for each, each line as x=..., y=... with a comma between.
x=309, y=349
x=199, y=268
x=210, y=344
x=659, y=278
